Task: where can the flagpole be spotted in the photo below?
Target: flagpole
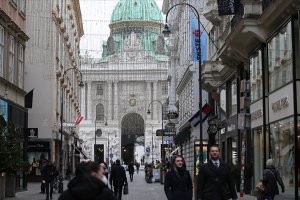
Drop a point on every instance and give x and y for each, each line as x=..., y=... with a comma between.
x=199, y=67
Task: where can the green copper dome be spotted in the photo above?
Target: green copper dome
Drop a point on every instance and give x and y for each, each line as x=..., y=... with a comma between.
x=136, y=10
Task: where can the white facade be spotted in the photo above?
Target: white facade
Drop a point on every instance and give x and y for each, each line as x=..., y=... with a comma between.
x=130, y=81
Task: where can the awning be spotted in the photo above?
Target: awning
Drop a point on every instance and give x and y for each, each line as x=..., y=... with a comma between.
x=78, y=150
x=183, y=136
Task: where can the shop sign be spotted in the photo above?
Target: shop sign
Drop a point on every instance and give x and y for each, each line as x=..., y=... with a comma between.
x=256, y=115
x=280, y=104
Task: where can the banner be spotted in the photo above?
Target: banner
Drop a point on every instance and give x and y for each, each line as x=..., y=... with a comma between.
x=228, y=7
x=199, y=47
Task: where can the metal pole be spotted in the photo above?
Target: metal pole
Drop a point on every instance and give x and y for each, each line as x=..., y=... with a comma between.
x=61, y=187
x=95, y=133
x=108, y=147
x=199, y=79
x=152, y=144
x=162, y=124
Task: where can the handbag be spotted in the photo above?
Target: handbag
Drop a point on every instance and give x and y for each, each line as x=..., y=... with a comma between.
x=125, y=190
x=260, y=186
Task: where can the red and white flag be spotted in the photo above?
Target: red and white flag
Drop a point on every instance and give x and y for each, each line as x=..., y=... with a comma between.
x=79, y=119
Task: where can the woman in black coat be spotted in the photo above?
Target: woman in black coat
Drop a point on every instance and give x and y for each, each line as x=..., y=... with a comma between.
x=270, y=178
x=178, y=183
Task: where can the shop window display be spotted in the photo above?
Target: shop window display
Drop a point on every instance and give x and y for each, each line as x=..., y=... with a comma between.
x=280, y=59
x=282, y=150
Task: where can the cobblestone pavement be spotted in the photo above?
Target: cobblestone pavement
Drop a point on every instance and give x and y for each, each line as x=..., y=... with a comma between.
x=138, y=189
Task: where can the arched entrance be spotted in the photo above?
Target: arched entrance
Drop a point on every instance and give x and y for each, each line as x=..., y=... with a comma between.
x=132, y=137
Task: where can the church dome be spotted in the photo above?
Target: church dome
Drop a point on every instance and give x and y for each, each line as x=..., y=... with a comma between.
x=136, y=10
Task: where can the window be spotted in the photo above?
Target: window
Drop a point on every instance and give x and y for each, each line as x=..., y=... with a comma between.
x=280, y=61
x=99, y=89
x=22, y=4
x=1, y=50
x=100, y=112
x=21, y=66
x=282, y=150
x=223, y=103
x=165, y=88
x=11, y=61
x=232, y=97
x=256, y=76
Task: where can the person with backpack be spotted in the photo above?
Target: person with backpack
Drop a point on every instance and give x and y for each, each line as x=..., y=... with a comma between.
x=270, y=178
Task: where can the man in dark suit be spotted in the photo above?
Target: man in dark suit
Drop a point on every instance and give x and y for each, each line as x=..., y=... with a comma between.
x=215, y=178
x=118, y=179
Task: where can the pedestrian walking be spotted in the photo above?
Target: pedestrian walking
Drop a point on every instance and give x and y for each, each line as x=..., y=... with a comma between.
x=118, y=179
x=270, y=178
x=131, y=171
x=137, y=165
x=49, y=172
x=89, y=183
x=215, y=179
x=178, y=183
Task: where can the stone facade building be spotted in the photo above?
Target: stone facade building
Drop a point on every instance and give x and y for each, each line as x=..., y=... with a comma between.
x=55, y=29
x=129, y=79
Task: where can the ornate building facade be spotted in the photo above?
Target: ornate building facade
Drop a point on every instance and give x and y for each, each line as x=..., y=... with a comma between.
x=129, y=79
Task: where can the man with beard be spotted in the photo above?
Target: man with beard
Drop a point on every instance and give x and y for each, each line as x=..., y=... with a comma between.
x=178, y=182
x=215, y=178
x=88, y=184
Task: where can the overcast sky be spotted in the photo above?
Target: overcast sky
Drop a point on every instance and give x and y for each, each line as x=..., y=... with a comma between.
x=96, y=16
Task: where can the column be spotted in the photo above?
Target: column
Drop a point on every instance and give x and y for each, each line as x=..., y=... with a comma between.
x=116, y=110
x=89, y=100
x=155, y=111
x=149, y=95
x=82, y=100
x=110, y=101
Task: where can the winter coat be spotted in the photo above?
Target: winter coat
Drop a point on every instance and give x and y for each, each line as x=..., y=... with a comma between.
x=178, y=185
x=216, y=183
x=130, y=169
x=270, y=178
x=49, y=172
x=85, y=187
x=117, y=176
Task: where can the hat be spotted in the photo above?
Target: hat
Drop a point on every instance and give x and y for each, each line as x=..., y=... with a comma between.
x=270, y=163
x=118, y=161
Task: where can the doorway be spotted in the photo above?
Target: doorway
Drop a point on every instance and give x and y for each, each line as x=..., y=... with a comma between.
x=132, y=136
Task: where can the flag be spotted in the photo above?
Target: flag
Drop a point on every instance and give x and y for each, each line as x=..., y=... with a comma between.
x=195, y=33
x=79, y=119
x=28, y=99
x=205, y=111
x=198, y=46
x=228, y=7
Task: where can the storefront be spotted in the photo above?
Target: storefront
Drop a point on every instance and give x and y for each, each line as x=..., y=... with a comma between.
x=274, y=72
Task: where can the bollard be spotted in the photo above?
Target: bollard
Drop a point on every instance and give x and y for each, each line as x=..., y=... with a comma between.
x=162, y=176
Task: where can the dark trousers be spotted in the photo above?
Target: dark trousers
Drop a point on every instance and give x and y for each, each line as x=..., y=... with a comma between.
x=131, y=177
x=47, y=185
x=42, y=187
x=118, y=192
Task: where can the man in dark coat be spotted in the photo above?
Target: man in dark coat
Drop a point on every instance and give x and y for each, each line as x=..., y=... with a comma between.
x=178, y=183
x=87, y=184
x=215, y=179
x=49, y=172
x=131, y=171
x=270, y=178
x=118, y=179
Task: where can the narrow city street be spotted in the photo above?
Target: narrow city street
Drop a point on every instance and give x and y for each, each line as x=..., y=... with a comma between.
x=138, y=189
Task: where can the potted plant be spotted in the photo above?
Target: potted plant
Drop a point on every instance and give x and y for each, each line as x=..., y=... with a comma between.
x=11, y=158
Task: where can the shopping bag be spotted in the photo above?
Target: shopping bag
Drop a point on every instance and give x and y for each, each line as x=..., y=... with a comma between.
x=260, y=186
x=125, y=190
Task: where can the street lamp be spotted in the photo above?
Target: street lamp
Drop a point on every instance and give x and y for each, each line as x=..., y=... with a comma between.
x=162, y=120
x=81, y=84
x=152, y=141
x=166, y=33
